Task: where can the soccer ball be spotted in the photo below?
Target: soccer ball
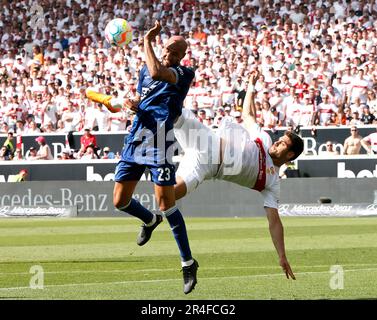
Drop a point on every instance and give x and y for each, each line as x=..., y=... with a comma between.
x=118, y=32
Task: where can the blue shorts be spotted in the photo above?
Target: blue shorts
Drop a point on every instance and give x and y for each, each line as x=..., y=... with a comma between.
x=161, y=174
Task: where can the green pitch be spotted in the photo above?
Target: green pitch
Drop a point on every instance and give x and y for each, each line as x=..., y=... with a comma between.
x=99, y=259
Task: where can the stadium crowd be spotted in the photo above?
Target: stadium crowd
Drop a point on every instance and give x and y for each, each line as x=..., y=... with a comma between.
x=317, y=59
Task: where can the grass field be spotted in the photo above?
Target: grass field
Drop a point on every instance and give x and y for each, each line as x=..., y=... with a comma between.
x=98, y=259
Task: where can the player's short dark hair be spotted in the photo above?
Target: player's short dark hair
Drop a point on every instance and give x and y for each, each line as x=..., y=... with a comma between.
x=297, y=144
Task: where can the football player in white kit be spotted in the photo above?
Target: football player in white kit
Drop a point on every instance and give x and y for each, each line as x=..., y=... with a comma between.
x=240, y=154
x=245, y=157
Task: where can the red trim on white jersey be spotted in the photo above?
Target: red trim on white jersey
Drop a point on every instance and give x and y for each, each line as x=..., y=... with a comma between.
x=260, y=184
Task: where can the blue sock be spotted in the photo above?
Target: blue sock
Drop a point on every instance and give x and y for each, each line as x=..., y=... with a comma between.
x=135, y=209
x=178, y=227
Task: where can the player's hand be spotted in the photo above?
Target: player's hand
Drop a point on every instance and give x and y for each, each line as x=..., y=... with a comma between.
x=254, y=76
x=152, y=33
x=287, y=268
x=130, y=105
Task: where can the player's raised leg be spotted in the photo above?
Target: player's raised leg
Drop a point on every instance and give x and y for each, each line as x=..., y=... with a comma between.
x=201, y=153
x=191, y=133
x=112, y=104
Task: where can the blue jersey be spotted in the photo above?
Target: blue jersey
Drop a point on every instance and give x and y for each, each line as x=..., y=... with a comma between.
x=161, y=103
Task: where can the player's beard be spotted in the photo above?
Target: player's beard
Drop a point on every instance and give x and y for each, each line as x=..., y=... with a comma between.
x=273, y=152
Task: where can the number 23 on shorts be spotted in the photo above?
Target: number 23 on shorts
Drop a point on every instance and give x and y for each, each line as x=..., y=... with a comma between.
x=164, y=175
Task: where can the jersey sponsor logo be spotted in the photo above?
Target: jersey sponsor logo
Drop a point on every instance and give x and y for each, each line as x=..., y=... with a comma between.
x=271, y=170
x=179, y=69
x=146, y=90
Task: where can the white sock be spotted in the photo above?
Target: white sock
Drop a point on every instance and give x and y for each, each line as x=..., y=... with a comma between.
x=152, y=222
x=187, y=263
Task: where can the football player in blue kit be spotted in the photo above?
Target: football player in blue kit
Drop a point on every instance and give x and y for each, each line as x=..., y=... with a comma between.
x=162, y=88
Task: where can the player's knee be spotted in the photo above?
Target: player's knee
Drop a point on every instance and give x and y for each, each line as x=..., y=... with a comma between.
x=165, y=203
x=120, y=202
x=117, y=203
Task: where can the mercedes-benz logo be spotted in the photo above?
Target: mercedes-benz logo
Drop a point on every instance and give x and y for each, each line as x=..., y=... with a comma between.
x=4, y=210
x=372, y=207
x=283, y=208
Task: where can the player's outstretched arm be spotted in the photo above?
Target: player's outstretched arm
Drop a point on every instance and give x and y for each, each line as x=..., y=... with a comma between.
x=156, y=70
x=249, y=110
x=277, y=235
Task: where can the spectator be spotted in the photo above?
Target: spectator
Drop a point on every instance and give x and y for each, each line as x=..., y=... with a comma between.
x=372, y=102
x=107, y=154
x=238, y=117
x=288, y=170
x=65, y=154
x=44, y=152
x=71, y=118
x=366, y=116
x=309, y=46
x=333, y=121
x=18, y=155
x=4, y=154
x=347, y=116
x=102, y=117
x=87, y=139
x=38, y=59
x=369, y=143
x=19, y=177
x=48, y=128
x=274, y=118
x=355, y=119
x=4, y=128
x=10, y=143
x=32, y=154
x=60, y=126
x=89, y=154
x=20, y=127
x=208, y=121
x=307, y=112
x=330, y=151
x=352, y=144
x=202, y=115
x=325, y=110
x=359, y=87
x=33, y=128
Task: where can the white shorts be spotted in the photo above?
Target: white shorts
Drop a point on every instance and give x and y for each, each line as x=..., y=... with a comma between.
x=201, y=148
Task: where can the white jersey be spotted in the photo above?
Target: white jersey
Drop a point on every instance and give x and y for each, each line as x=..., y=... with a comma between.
x=359, y=90
x=241, y=161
